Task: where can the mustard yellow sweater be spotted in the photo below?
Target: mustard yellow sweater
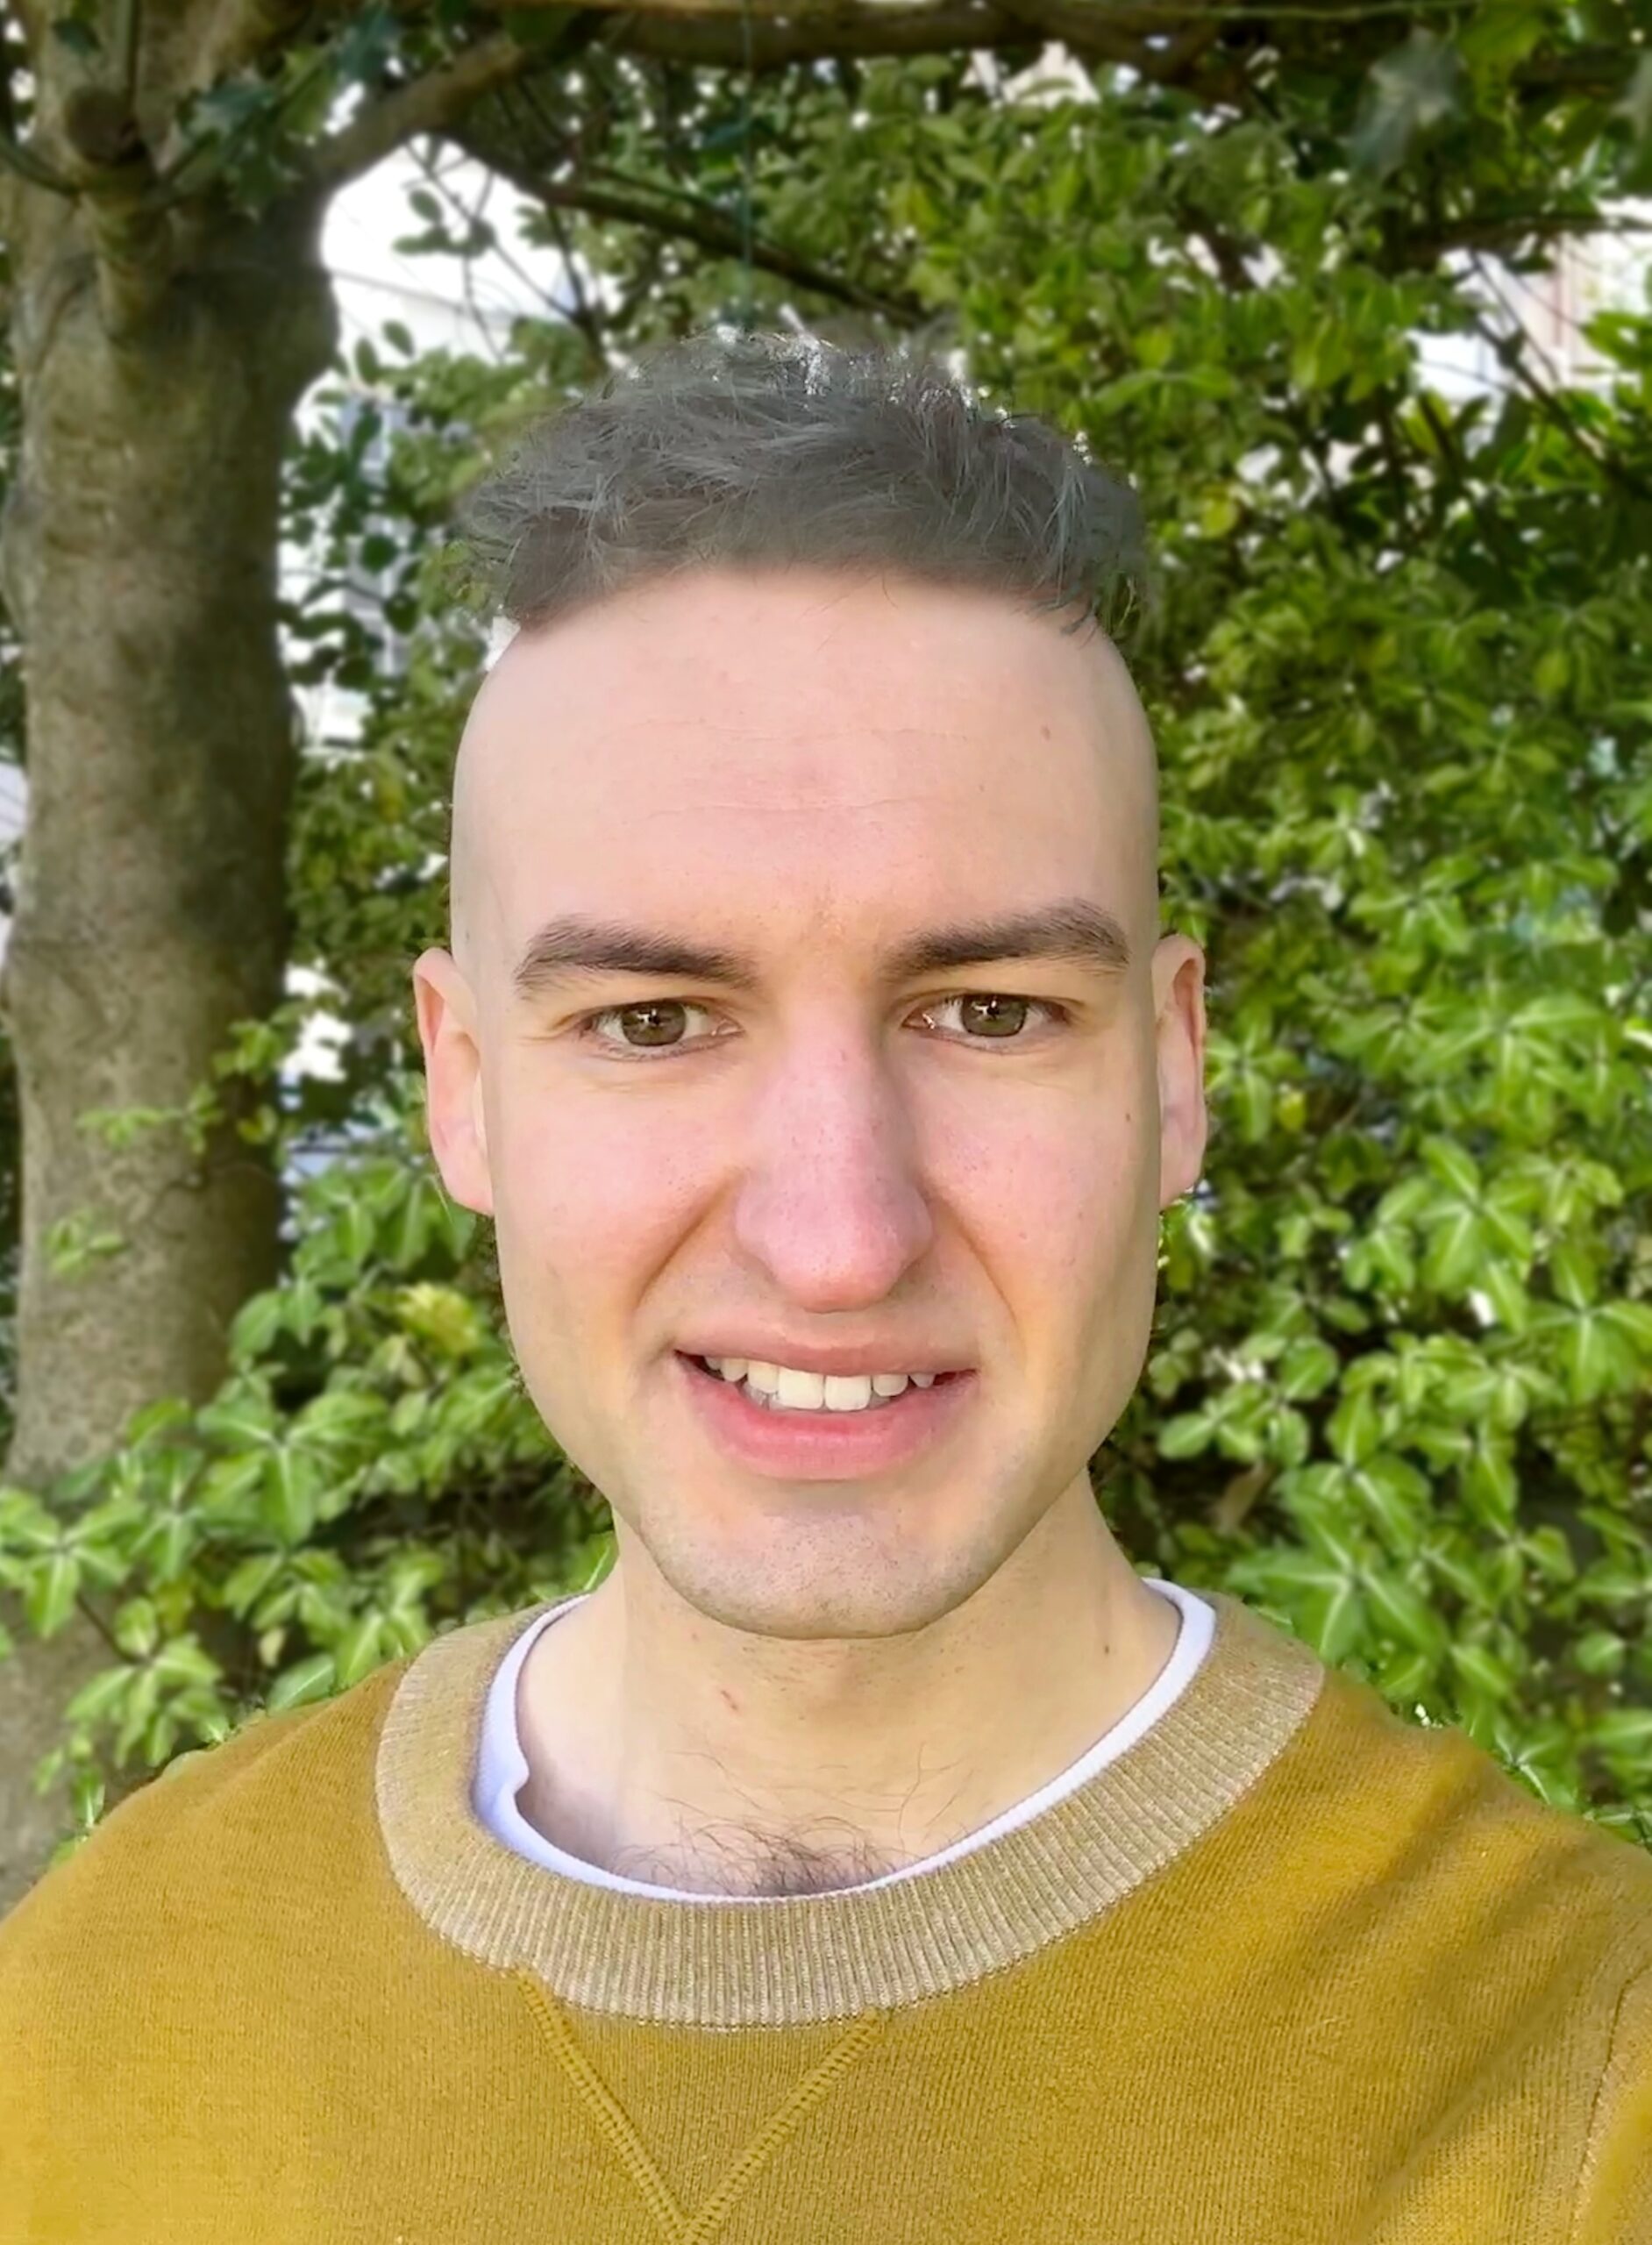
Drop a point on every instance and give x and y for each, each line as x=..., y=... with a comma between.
x=1289, y=1971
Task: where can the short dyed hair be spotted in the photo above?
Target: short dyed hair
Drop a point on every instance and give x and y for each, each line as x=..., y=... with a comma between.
x=763, y=450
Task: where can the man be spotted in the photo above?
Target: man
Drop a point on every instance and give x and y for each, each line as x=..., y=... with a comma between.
x=874, y=1854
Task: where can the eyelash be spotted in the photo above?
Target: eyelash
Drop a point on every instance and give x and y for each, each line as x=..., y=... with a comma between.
x=586, y=1023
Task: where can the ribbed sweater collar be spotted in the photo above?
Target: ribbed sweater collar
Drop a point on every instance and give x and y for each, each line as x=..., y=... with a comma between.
x=764, y=1960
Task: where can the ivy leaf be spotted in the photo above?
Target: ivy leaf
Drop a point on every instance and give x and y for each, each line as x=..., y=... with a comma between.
x=305, y=1681
x=49, y=1592
x=1482, y=1670
x=367, y=42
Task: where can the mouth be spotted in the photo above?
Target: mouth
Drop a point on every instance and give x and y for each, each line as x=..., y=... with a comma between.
x=869, y=1400
x=819, y=1443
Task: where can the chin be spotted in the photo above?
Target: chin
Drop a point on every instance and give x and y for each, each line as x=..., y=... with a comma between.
x=836, y=1574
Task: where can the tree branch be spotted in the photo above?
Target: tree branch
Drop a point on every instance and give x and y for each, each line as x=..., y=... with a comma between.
x=587, y=318
x=1120, y=34
x=717, y=35
x=128, y=24
x=703, y=225
x=1501, y=233
x=1511, y=352
x=28, y=166
x=426, y=105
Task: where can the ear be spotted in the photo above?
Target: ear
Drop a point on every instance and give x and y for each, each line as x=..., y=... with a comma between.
x=452, y=1080
x=1178, y=998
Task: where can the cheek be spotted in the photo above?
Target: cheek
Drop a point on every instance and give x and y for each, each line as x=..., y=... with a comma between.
x=1060, y=1214
x=1058, y=1182
x=592, y=1193
x=588, y=1208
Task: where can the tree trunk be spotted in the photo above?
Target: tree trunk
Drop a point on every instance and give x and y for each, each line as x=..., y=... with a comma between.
x=139, y=550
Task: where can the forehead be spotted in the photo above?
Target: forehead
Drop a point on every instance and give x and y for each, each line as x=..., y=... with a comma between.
x=833, y=755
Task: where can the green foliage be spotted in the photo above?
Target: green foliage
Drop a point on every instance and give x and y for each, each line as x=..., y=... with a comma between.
x=371, y=1471
x=1399, y=1394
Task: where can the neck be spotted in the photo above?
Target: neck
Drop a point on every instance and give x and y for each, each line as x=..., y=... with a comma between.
x=664, y=1747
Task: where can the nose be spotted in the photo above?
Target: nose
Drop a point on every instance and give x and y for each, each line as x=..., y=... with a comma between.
x=831, y=1204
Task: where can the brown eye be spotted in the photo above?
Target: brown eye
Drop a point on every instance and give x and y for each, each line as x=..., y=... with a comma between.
x=660, y=1024
x=661, y=1020
x=995, y=1016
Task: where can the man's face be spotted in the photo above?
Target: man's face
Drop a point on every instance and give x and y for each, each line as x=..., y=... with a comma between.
x=843, y=1156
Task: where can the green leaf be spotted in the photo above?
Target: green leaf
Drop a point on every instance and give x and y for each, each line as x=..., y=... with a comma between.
x=1634, y=1321
x=358, y=1651
x=1500, y=37
x=1551, y=1554
x=1307, y=1368
x=1623, y=1738
x=100, y=1695
x=248, y=1582
x=185, y=1662
x=1336, y=1622
x=49, y=1593
x=367, y=43
x=1489, y=1485
x=1551, y=673
x=26, y=1525
x=238, y=1423
x=1453, y=1165
x=1401, y=1609
x=1355, y=1427
x=137, y=1712
x=1573, y=1276
x=1482, y=1671
x=1600, y=1652
x=1594, y=1354
x=1185, y=1436
x=307, y=1680
x=1510, y=1302
x=137, y=1627
x=1458, y=1248
x=256, y=1325
x=290, y=1483
x=1396, y=1495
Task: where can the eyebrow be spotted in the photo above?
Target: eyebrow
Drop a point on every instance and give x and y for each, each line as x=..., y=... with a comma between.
x=1072, y=933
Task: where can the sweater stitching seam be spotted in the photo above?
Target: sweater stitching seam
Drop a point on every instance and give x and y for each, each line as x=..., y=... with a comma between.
x=1596, y=2116
x=677, y=2225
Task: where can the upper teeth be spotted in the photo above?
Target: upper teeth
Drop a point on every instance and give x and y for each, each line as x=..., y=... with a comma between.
x=815, y=1391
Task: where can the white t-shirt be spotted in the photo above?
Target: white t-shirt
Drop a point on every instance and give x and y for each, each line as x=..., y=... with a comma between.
x=502, y=1767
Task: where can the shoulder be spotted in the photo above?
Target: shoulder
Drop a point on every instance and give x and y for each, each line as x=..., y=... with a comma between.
x=227, y=1820
x=1459, y=1849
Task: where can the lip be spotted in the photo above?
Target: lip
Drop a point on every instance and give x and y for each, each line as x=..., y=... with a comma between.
x=822, y=1445
x=842, y=1363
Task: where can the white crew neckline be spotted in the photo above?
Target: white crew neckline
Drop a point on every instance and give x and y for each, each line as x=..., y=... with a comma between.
x=502, y=1767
